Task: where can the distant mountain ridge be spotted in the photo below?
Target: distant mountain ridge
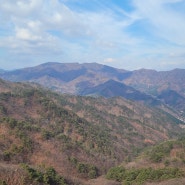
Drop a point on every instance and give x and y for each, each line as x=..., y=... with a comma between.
x=67, y=72
x=154, y=82
x=67, y=78
x=113, y=88
x=145, y=80
x=97, y=79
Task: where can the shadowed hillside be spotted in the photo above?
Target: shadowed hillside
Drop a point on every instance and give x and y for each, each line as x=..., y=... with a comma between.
x=113, y=88
x=95, y=79
x=72, y=77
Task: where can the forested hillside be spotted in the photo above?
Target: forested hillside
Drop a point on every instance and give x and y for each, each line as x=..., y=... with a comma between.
x=49, y=138
x=160, y=164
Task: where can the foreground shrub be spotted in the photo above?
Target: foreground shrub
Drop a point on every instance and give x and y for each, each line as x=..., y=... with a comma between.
x=139, y=176
x=47, y=176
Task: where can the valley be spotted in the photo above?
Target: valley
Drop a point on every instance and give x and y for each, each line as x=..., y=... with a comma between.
x=80, y=124
x=93, y=79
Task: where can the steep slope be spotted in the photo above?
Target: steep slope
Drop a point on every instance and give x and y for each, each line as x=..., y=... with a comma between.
x=80, y=137
x=36, y=131
x=154, y=82
x=173, y=99
x=113, y=88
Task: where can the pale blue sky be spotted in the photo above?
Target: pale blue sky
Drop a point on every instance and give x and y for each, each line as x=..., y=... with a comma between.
x=127, y=34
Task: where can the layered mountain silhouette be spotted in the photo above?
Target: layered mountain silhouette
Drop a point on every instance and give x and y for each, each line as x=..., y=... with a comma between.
x=114, y=88
x=101, y=80
x=100, y=118
x=77, y=75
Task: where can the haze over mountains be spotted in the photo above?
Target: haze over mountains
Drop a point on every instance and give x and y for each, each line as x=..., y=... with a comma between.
x=90, y=123
x=94, y=79
x=80, y=76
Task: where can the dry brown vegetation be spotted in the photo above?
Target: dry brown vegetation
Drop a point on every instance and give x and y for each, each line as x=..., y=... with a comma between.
x=41, y=128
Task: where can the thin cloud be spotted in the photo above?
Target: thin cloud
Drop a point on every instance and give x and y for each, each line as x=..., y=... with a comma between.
x=163, y=19
x=56, y=30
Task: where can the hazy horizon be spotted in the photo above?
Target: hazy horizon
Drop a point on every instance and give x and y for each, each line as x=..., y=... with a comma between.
x=127, y=34
x=87, y=63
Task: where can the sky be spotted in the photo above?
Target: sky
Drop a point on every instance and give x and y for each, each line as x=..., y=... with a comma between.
x=127, y=34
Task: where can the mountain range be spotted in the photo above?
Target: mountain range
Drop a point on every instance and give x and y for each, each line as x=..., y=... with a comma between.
x=92, y=79
x=80, y=76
